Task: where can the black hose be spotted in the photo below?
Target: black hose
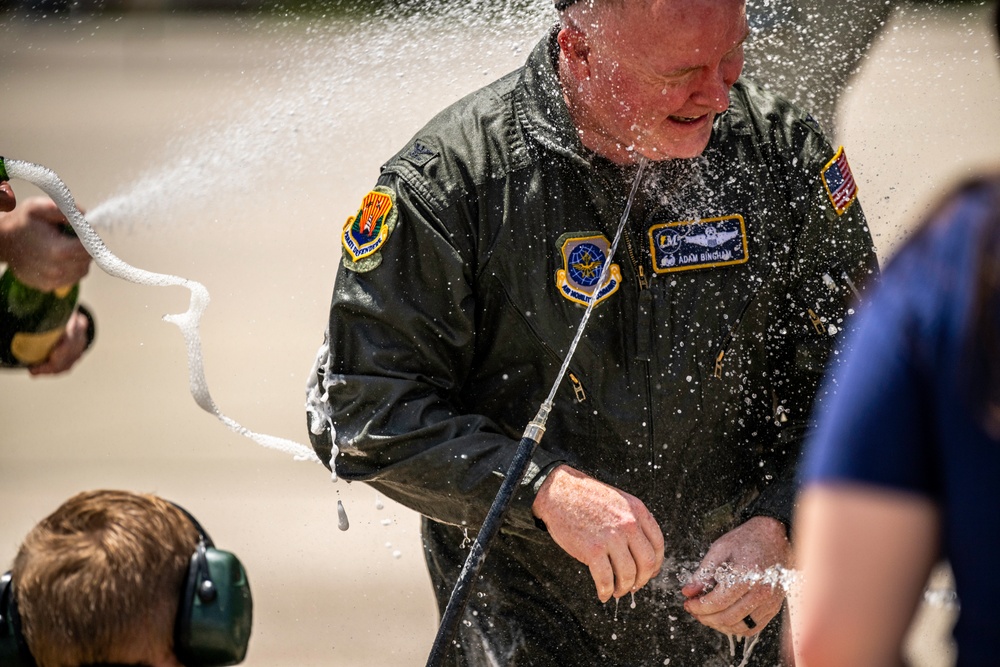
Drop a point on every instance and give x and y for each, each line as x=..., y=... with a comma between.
x=477, y=554
x=515, y=473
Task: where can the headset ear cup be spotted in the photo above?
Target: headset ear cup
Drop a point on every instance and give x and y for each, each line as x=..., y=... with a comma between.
x=213, y=627
x=182, y=626
x=14, y=650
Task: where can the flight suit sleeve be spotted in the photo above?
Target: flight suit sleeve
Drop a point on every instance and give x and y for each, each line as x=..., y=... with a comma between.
x=387, y=387
x=832, y=263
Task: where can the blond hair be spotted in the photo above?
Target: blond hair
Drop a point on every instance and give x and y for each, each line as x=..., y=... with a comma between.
x=99, y=580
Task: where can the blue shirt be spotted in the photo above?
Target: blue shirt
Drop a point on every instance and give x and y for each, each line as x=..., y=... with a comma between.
x=899, y=411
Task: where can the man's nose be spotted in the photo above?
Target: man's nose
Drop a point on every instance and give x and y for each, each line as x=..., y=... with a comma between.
x=713, y=90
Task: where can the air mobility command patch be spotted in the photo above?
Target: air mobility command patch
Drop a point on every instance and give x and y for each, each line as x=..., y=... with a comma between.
x=583, y=257
x=367, y=231
x=839, y=182
x=698, y=244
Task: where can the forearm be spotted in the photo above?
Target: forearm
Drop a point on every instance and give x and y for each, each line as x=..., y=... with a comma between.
x=399, y=436
x=863, y=557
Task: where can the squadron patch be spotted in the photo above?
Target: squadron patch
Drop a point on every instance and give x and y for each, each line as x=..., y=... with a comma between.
x=839, y=182
x=698, y=244
x=583, y=258
x=367, y=231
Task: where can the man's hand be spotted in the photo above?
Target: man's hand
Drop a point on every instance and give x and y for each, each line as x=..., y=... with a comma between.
x=38, y=253
x=721, y=595
x=606, y=529
x=68, y=350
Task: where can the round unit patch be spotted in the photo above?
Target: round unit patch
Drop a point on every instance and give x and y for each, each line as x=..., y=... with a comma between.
x=583, y=259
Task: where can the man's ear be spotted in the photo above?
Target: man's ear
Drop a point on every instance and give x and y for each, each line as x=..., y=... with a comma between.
x=575, y=51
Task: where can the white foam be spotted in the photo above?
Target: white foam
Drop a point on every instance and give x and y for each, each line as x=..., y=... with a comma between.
x=188, y=321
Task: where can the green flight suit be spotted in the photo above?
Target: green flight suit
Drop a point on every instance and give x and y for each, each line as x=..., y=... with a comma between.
x=460, y=293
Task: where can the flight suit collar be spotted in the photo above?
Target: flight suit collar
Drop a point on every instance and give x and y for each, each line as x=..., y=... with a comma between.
x=541, y=108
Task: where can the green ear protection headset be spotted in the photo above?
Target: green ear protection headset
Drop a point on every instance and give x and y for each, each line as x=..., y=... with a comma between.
x=214, y=616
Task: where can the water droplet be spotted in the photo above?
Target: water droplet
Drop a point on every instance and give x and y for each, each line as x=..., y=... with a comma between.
x=342, y=521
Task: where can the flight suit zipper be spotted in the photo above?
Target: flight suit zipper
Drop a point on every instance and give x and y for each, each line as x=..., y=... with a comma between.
x=644, y=346
x=578, y=390
x=643, y=337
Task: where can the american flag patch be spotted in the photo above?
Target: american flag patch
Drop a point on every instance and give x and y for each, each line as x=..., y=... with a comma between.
x=839, y=182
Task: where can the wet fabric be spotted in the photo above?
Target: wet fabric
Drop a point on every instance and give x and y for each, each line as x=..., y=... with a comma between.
x=902, y=415
x=690, y=390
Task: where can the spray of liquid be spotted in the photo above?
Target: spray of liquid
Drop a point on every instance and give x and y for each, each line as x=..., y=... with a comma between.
x=787, y=580
x=726, y=575
x=320, y=65
x=336, y=75
x=188, y=321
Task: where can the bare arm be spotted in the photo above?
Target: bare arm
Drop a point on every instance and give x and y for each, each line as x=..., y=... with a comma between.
x=864, y=556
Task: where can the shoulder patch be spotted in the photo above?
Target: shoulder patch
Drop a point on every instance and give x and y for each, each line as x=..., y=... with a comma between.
x=839, y=182
x=583, y=257
x=366, y=232
x=698, y=244
x=418, y=154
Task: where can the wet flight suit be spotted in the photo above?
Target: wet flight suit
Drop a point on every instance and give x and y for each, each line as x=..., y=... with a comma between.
x=458, y=297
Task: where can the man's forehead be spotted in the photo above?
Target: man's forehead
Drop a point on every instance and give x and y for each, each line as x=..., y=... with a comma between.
x=561, y=5
x=667, y=34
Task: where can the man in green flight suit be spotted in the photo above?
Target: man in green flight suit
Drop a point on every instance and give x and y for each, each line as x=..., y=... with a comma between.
x=668, y=458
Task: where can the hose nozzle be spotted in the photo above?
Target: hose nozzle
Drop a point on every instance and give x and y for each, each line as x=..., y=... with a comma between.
x=536, y=427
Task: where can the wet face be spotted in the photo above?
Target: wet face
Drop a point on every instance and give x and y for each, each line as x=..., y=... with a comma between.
x=649, y=78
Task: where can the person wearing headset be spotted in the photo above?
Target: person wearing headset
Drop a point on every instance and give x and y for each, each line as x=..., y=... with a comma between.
x=117, y=578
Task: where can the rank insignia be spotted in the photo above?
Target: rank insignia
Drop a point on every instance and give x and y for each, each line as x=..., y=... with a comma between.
x=419, y=155
x=839, y=182
x=367, y=231
x=698, y=244
x=583, y=259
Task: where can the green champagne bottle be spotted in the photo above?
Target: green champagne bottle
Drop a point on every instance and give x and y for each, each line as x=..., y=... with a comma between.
x=31, y=321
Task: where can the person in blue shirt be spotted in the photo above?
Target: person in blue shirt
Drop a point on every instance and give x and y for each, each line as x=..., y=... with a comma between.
x=903, y=467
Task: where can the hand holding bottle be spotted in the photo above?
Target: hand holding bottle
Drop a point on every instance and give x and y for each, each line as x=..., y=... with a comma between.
x=7, y=200
x=39, y=326
x=36, y=248
x=76, y=338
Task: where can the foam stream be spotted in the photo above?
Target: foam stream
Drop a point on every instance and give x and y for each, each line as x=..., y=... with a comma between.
x=188, y=321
